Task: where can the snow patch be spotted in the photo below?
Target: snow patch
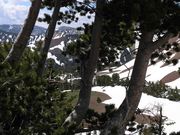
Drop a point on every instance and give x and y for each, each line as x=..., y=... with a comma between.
x=170, y=109
x=50, y=56
x=60, y=46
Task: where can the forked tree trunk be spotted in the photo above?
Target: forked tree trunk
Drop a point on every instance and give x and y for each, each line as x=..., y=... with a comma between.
x=22, y=39
x=48, y=37
x=117, y=124
x=88, y=69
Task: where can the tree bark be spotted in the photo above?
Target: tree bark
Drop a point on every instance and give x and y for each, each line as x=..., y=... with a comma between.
x=21, y=41
x=87, y=71
x=117, y=124
x=48, y=38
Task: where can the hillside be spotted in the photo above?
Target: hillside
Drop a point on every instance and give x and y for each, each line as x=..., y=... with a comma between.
x=62, y=36
x=148, y=103
x=159, y=72
x=167, y=74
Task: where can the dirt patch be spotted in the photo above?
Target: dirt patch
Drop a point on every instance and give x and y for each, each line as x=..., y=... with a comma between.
x=170, y=77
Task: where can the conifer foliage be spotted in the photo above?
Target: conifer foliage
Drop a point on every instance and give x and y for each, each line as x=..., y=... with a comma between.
x=29, y=105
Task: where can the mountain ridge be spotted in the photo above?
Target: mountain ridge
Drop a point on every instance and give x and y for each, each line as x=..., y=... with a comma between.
x=62, y=36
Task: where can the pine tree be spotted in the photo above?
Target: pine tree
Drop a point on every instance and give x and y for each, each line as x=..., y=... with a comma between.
x=29, y=105
x=152, y=18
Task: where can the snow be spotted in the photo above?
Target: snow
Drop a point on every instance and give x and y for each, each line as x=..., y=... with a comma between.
x=10, y=27
x=157, y=73
x=60, y=46
x=154, y=72
x=92, y=133
x=10, y=36
x=117, y=92
x=174, y=84
x=39, y=38
x=70, y=41
x=50, y=56
x=136, y=44
x=31, y=46
x=170, y=109
x=119, y=70
x=58, y=36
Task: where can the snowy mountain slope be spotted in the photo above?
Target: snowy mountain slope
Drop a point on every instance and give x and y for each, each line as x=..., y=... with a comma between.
x=62, y=36
x=170, y=109
x=156, y=72
x=150, y=104
x=15, y=28
x=8, y=33
x=168, y=74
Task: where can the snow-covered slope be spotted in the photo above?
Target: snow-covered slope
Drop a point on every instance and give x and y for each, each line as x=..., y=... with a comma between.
x=170, y=109
x=162, y=72
x=155, y=73
x=15, y=28
x=62, y=36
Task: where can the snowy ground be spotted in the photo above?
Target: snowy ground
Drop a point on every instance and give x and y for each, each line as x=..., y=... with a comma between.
x=154, y=72
x=170, y=109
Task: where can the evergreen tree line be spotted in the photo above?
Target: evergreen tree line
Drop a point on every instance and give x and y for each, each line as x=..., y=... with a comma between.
x=30, y=104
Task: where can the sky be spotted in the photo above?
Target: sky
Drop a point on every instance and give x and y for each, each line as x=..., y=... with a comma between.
x=15, y=12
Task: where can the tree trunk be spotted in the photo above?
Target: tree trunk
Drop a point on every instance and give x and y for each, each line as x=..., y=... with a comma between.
x=48, y=37
x=117, y=124
x=22, y=39
x=87, y=71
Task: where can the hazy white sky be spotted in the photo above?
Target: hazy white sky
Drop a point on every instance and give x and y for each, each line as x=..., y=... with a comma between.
x=15, y=12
